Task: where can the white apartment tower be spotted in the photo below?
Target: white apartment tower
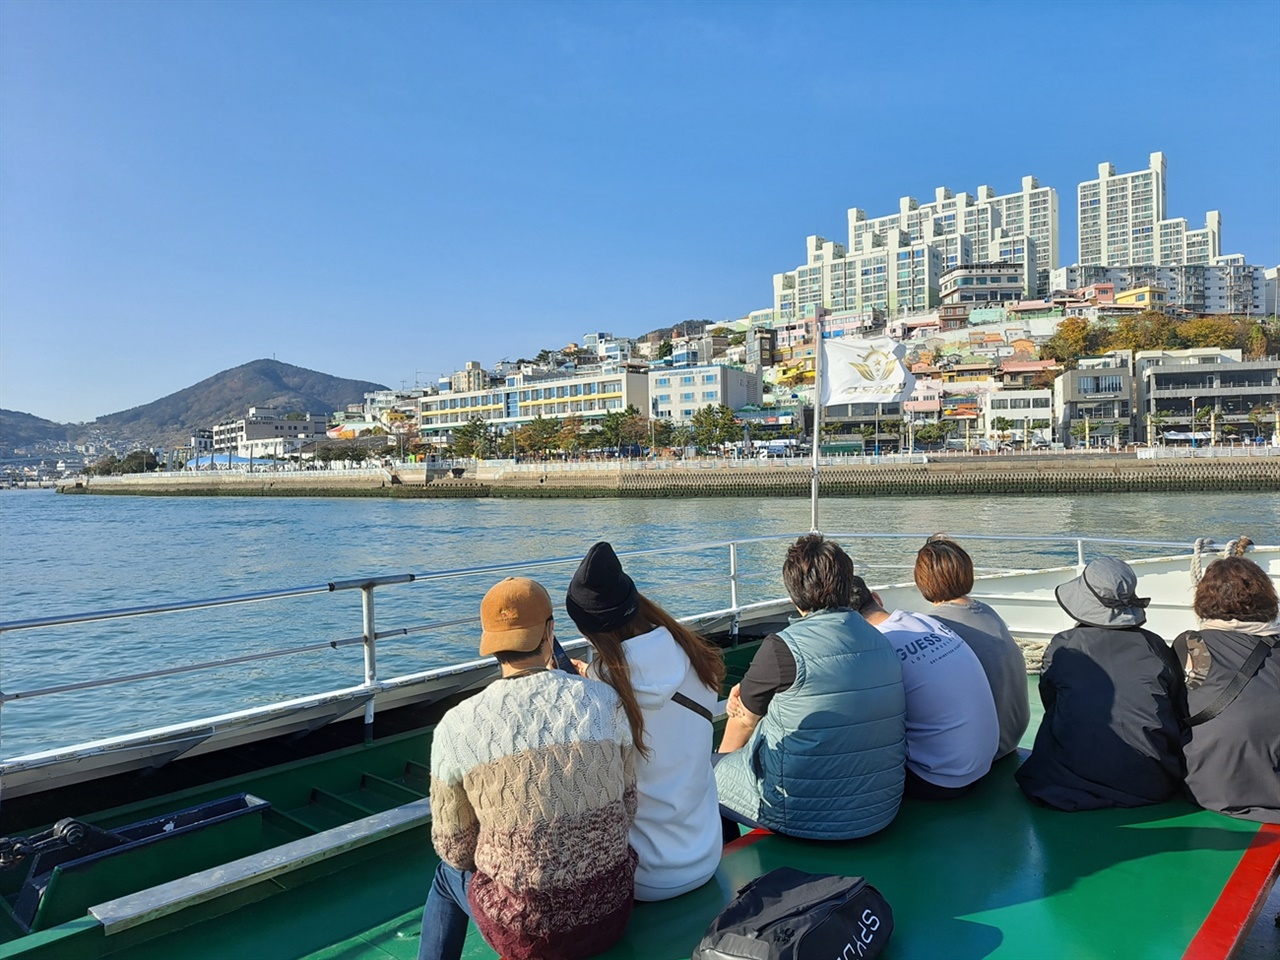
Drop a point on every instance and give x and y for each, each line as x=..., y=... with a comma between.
x=1032, y=211
x=1123, y=223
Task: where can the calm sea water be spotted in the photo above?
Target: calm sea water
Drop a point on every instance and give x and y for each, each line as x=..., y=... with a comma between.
x=61, y=554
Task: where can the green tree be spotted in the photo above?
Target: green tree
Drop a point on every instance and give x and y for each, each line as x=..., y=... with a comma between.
x=295, y=416
x=138, y=461
x=620, y=427
x=1156, y=423
x=715, y=426
x=474, y=438
x=1259, y=417
x=662, y=431
x=737, y=339
x=665, y=348
x=104, y=466
x=1003, y=425
x=1255, y=342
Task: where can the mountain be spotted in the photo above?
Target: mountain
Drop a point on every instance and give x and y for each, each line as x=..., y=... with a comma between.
x=25, y=430
x=170, y=420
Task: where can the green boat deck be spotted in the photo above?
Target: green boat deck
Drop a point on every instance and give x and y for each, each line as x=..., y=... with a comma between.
x=990, y=875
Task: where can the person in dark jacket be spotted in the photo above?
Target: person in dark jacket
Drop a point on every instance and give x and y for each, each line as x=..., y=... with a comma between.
x=1233, y=759
x=1115, y=704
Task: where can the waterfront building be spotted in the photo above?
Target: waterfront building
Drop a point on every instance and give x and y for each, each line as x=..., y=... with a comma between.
x=1093, y=404
x=677, y=393
x=590, y=393
x=1016, y=415
x=263, y=433
x=1233, y=397
x=1123, y=221
x=1227, y=286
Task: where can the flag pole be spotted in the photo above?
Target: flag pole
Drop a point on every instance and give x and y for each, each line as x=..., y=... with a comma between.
x=817, y=419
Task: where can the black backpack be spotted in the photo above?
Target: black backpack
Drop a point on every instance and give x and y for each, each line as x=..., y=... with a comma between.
x=787, y=914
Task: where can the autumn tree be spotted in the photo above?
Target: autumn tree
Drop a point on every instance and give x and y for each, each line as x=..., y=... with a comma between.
x=539, y=435
x=570, y=439
x=1075, y=337
x=1149, y=330
x=1219, y=332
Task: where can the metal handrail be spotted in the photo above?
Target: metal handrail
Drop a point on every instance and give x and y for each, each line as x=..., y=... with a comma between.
x=367, y=585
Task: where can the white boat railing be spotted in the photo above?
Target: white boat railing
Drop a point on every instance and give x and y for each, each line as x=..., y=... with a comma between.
x=728, y=573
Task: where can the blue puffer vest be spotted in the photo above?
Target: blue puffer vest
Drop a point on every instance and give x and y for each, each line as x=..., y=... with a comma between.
x=832, y=747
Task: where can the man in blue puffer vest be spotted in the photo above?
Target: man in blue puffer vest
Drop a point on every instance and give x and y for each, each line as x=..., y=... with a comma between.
x=815, y=742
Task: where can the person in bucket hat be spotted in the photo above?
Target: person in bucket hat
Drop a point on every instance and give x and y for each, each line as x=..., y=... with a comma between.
x=1115, y=703
x=533, y=792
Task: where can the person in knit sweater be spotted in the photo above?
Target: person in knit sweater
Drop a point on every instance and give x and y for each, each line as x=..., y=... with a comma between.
x=668, y=679
x=533, y=793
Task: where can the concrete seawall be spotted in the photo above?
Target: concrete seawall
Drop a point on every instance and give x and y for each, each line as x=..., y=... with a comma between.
x=1022, y=475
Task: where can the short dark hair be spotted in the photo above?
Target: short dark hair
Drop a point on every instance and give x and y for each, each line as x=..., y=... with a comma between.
x=1234, y=588
x=817, y=574
x=944, y=571
x=859, y=594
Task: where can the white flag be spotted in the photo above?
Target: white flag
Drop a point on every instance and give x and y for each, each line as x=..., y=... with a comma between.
x=864, y=371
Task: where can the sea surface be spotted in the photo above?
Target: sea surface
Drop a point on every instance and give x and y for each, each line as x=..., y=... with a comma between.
x=69, y=554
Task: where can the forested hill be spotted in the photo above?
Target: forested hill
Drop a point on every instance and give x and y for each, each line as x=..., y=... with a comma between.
x=19, y=429
x=170, y=420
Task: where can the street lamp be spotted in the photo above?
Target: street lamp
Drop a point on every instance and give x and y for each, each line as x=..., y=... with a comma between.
x=1193, y=423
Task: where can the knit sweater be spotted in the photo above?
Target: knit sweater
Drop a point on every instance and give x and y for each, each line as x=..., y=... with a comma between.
x=533, y=787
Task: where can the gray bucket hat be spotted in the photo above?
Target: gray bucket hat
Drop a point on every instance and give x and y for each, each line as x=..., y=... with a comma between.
x=1105, y=595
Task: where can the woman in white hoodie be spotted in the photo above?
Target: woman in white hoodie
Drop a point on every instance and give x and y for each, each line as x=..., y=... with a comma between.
x=668, y=679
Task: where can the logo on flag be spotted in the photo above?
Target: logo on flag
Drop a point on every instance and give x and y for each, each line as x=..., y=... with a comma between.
x=864, y=371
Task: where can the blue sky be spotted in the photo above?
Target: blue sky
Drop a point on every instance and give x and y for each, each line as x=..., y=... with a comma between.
x=385, y=190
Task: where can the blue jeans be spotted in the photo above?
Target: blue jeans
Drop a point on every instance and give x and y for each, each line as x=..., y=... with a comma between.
x=445, y=917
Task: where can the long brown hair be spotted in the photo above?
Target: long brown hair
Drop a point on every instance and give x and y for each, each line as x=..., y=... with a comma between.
x=611, y=661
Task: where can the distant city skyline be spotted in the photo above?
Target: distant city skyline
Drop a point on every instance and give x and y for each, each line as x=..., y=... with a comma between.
x=385, y=191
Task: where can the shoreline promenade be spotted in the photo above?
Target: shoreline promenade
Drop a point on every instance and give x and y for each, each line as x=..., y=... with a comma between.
x=838, y=476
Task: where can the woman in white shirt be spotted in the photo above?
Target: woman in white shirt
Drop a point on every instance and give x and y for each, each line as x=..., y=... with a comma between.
x=668, y=679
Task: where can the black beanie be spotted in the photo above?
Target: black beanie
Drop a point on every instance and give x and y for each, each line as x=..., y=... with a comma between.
x=601, y=597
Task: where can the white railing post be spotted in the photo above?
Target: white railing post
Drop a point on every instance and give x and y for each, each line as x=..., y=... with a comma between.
x=733, y=589
x=1079, y=557
x=370, y=655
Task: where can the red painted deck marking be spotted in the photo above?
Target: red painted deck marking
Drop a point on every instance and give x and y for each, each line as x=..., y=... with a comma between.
x=746, y=840
x=1246, y=889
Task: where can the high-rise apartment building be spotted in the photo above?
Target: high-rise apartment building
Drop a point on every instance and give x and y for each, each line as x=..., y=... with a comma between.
x=1123, y=222
x=1032, y=211
x=892, y=273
